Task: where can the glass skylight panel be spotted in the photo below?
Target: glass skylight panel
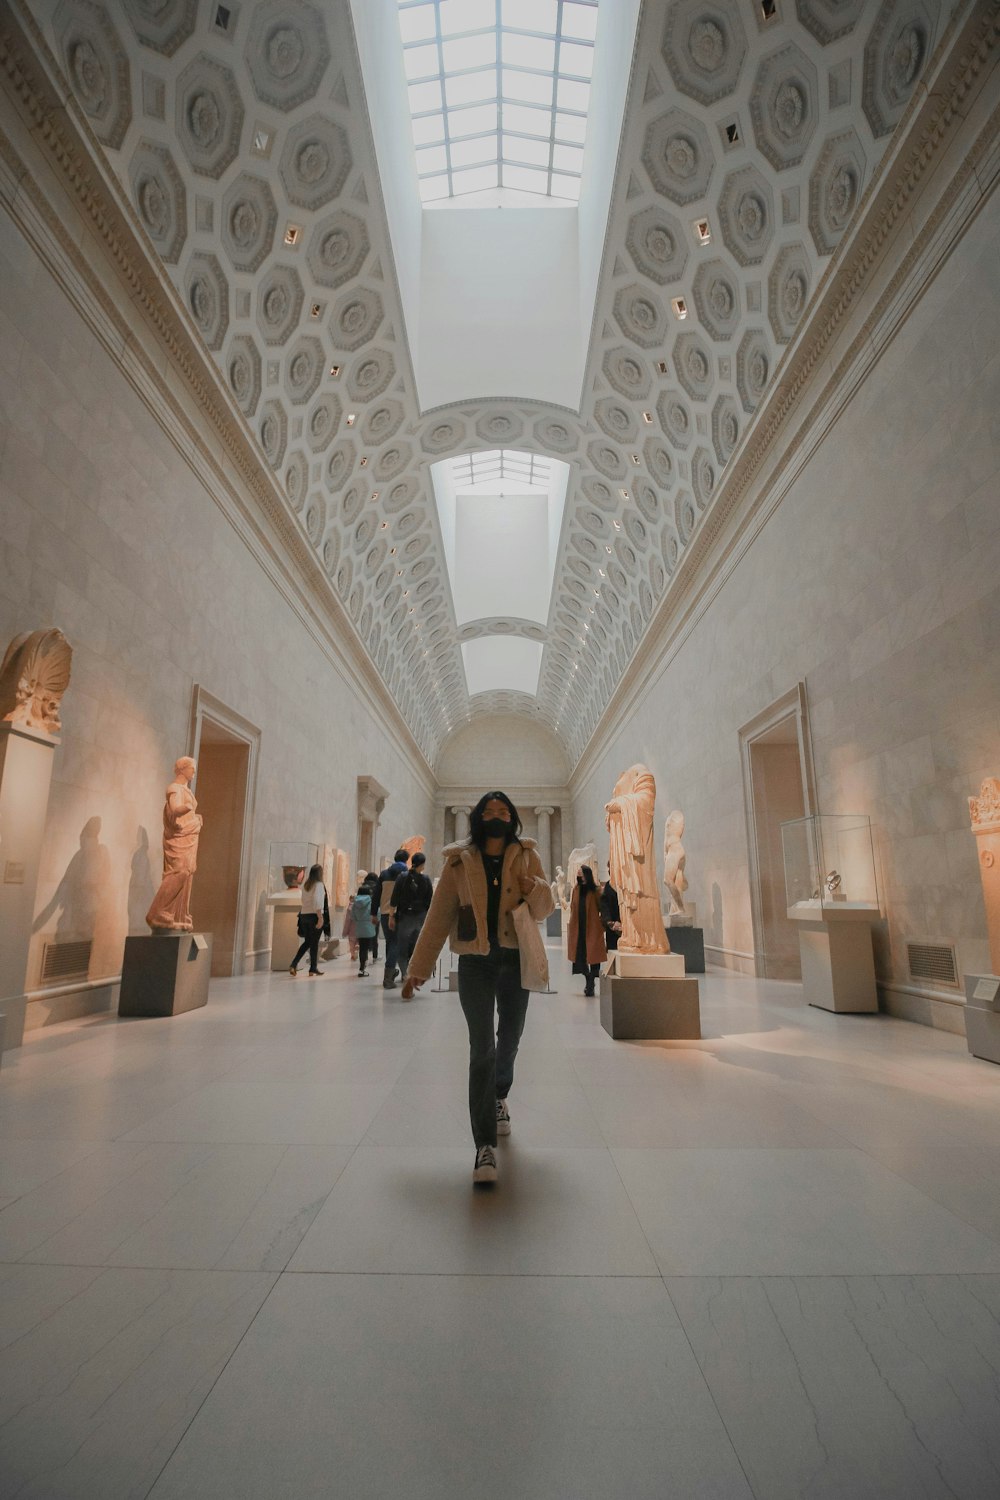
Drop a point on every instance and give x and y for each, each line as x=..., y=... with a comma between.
x=501, y=468
x=499, y=92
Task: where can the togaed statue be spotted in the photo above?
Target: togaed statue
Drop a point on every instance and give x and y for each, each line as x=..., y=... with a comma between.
x=560, y=889
x=674, y=861
x=170, y=910
x=632, y=861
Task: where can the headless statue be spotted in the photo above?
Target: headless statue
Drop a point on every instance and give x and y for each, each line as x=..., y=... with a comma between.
x=632, y=860
x=171, y=907
x=674, y=860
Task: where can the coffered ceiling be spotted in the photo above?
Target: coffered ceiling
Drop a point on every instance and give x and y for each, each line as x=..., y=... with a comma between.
x=240, y=135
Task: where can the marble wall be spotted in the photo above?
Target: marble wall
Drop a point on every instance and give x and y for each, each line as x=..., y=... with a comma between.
x=877, y=582
x=107, y=533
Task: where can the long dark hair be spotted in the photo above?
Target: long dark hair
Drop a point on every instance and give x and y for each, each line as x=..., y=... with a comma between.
x=316, y=873
x=589, y=883
x=477, y=834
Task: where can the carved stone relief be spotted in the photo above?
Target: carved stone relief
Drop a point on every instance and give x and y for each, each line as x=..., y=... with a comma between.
x=678, y=156
x=279, y=304
x=704, y=45
x=657, y=244
x=159, y=196
x=208, y=298
x=746, y=215
x=34, y=675
x=835, y=186
x=97, y=68
x=287, y=52
x=209, y=115
x=783, y=106
x=316, y=162
x=788, y=291
x=249, y=221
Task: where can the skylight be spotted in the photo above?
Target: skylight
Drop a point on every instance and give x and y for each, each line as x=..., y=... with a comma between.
x=499, y=92
x=501, y=469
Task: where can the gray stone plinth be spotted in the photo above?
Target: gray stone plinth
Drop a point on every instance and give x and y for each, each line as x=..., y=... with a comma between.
x=12, y=1014
x=650, y=1009
x=838, y=965
x=690, y=942
x=165, y=974
x=982, y=1016
x=553, y=924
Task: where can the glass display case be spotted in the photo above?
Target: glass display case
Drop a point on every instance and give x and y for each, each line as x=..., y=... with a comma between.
x=829, y=866
x=287, y=867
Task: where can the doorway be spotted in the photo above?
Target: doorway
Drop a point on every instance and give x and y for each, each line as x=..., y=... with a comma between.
x=777, y=779
x=225, y=748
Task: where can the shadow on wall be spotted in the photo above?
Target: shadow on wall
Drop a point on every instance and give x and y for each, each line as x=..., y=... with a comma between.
x=713, y=927
x=141, y=885
x=84, y=897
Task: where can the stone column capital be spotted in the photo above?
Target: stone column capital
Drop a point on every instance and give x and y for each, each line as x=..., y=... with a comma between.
x=544, y=811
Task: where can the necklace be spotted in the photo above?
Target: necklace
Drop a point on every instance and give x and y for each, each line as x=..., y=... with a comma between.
x=494, y=864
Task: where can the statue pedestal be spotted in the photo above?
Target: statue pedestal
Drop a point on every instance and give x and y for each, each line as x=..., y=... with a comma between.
x=553, y=924
x=645, y=965
x=689, y=942
x=642, y=1008
x=982, y=1016
x=25, y=774
x=165, y=974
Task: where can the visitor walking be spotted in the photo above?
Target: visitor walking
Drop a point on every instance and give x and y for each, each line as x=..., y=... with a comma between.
x=364, y=925
x=585, y=939
x=386, y=881
x=408, y=907
x=483, y=881
x=611, y=916
x=313, y=923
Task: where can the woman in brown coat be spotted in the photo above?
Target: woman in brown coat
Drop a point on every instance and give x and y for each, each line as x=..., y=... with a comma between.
x=585, y=939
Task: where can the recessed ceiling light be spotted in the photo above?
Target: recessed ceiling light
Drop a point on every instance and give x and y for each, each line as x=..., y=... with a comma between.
x=634, y=457
x=661, y=365
x=768, y=9
x=732, y=134
x=647, y=416
x=364, y=461
x=679, y=307
x=624, y=495
x=292, y=233
x=263, y=140
x=703, y=231
x=316, y=309
x=374, y=495
x=352, y=417
x=335, y=371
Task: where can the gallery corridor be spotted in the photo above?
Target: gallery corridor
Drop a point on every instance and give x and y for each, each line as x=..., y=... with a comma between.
x=242, y=1258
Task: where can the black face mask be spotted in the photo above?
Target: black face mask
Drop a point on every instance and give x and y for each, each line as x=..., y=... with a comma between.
x=496, y=828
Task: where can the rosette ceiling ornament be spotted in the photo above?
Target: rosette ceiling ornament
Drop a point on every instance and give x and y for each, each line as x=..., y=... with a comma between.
x=240, y=138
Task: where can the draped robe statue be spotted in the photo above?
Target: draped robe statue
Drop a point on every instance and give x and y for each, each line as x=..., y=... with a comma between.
x=170, y=909
x=674, y=860
x=632, y=862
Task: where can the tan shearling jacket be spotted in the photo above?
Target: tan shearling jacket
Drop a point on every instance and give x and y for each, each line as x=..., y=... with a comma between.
x=463, y=881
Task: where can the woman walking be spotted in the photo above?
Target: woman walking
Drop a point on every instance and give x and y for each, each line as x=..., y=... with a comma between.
x=483, y=880
x=585, y=939
x=314, y=921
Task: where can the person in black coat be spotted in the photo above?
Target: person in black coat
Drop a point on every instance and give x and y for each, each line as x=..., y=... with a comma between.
x=611, y=916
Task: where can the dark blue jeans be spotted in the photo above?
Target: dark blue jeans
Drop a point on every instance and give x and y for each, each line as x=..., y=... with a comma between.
x=390, y=947
x=495, y=1006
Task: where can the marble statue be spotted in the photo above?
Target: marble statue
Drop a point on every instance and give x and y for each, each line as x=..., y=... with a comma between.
x=585, y=855
x=415, y=845
x=170, y=909
x=632, y=861
x=34, y=675
x=984, y=812
x=560, y=889
x=674, y=861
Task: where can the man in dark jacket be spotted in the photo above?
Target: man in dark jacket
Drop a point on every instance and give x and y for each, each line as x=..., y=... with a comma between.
x=408, y=906
x=611, y=916
x=386, y=882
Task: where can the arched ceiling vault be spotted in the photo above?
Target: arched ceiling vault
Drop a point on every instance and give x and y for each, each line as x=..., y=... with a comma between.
x=245, y=150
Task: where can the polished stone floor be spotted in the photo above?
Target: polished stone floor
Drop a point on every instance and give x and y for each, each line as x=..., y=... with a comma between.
x=241, y=1258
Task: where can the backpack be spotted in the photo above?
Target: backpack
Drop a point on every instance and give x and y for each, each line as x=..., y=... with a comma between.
x=361, y=910
x=408, y=891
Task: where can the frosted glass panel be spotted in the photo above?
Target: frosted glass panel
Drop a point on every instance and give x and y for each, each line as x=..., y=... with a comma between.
x=498, y=68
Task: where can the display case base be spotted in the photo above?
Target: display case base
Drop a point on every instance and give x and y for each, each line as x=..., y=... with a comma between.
x=662, y=1010
x=689, y=942
x=165, y=974
x=838, y=965
x=982, y=1016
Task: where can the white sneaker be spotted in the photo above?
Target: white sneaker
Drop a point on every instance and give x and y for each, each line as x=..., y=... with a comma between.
x=503, y=1118
x=485, y=1169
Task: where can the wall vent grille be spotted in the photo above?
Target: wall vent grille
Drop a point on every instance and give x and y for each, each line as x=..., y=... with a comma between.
x=64, y=961
x=933, y=961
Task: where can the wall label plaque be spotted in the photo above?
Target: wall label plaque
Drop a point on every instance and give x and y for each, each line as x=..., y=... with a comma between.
x=13, y=872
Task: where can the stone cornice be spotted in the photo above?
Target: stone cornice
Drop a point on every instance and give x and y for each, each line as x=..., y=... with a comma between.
x=55, y=156
x=943, y=164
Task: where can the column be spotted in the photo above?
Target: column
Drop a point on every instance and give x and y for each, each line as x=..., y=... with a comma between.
x=543, y=814
x=461, y=823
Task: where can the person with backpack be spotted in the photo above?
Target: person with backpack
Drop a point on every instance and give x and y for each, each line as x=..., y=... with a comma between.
x=484, y=880
x=408, y=906
x=386, y=882
x=364, y=924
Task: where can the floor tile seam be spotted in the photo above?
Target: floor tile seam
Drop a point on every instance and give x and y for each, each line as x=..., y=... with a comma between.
x=955, y=1214
x=224, y=1367
x=757, y=1494
x=492, y=1275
